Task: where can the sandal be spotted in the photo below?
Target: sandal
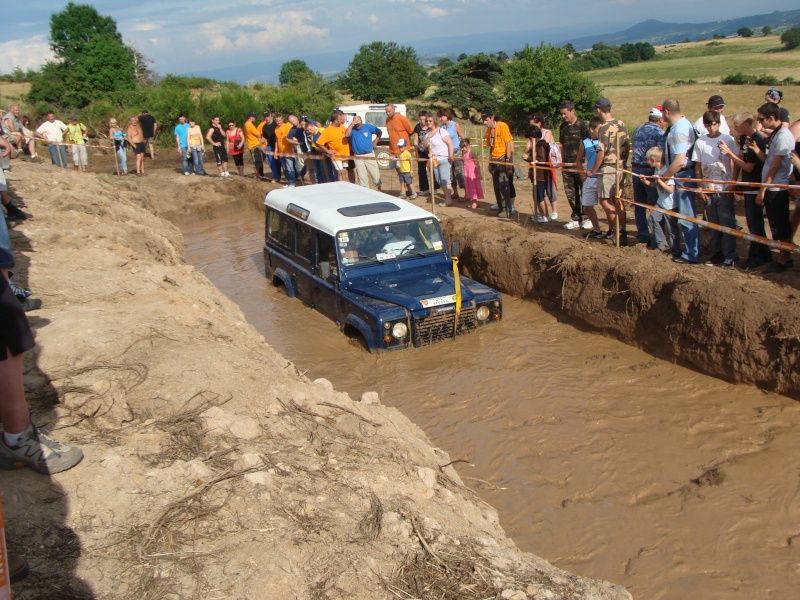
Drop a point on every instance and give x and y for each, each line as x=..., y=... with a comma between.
x=474, y=205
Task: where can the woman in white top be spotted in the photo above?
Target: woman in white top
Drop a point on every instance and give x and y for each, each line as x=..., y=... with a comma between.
x=440, y=146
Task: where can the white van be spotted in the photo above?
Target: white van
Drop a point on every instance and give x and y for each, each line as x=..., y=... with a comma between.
x=376, y=115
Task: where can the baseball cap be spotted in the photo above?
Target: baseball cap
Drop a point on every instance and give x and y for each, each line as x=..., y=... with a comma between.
x=401, y=143
x=775, y=94
x=603, y=104
x=656, y=112
x=715, y=101
x=251, y=114
x=311, y=121
x=73, y=118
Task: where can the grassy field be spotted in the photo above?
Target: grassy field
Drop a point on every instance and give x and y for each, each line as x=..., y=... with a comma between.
x=634, y=88
x=705, y=63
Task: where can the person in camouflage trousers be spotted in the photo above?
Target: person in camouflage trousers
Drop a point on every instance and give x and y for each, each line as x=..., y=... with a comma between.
x=572, y=132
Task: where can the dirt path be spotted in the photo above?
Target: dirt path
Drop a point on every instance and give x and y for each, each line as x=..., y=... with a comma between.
x=213, y=468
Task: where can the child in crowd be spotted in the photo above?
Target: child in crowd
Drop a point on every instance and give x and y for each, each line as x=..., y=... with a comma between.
x=540, y=154
x=473, y=189
x=663, y=228
x=713, y=166
x=587, y=155
x=404, y=171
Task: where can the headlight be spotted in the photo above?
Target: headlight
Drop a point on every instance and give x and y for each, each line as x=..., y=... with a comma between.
x=399, y=330
x=483, y=313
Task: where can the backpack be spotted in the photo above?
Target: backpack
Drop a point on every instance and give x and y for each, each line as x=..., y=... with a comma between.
x=555, y=154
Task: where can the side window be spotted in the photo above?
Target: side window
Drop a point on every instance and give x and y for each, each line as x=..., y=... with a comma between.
x=304, y=236
x=280, y=229
x=376, y=118
x=326, y=256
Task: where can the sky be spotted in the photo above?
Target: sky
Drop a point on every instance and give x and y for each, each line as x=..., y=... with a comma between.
x=201, y=35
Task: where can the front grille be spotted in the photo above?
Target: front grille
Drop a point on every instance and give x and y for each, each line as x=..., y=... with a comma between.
x=438, y=326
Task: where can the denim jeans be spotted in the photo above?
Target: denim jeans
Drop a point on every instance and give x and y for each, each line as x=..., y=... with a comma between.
x=686, y=206
x=274, y=164
x=720, y=211
x=197, y=159
x=6, y=259
x=123, y=158
x=55, y=150
x=755, y=225
x=644, y=194
x=663, y=230
x=185, y=155
x=290, y=169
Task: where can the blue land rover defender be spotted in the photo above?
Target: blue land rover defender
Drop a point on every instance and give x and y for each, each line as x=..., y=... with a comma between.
x=377, y=265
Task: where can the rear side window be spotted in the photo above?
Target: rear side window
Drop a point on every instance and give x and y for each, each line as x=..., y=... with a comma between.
x=376, y=118
x=280, y=229
x=304, y=237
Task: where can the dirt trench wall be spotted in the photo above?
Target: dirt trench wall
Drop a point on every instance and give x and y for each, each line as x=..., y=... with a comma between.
x=728, y=324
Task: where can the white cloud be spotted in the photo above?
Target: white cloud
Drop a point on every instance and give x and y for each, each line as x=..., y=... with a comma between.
x=433, y=11
x=27, y=54
x=258, y=33
x=145, y=27
x=373, y=19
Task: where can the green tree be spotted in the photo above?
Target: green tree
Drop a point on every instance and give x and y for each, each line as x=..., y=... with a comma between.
x=384, y=72
x=744, y=32
x=766, y=30
x=293, y=71
x=91, y=60
x=469, y=84
x=539, y=79
x=568, y=48
x=791, y=38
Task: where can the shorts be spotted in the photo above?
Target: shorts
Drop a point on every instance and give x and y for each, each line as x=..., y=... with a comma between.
x=589, y=195
x=238, y=159
x=138, y=148
x=441, y=172
x=15, y=331
x=607, y=185
x=405, y=178
x=349, y=164
x=393, y=162
x=149, y=140
x=338, y=165
x=220, y=154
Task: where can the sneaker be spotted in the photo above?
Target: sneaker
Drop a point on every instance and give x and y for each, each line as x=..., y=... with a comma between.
x=29, y=304
x=494, y=207
x=402, y=196
x=682, y=261
x=412, y=196
x=444, y=204
x=14, y=213
x=728, y=263
x=40, y=452
x=715, y=260
x=554, y=216
x=571, y=225
x=595, y=234
x=587, y=224
x=513, y=210
x=775, y=267
x=19, y=292
x=425, y=193
x=609, y=235
x=187, y=174
x=541, y=219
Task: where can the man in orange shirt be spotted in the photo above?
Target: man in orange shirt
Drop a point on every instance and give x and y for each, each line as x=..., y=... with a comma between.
x=252, y=137
x=501, y=145
x=399, y=128
x=333, y=142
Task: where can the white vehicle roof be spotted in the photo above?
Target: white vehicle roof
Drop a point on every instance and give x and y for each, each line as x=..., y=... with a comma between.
x=326, y=206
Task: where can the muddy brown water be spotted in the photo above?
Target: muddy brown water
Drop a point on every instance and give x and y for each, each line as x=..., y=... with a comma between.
x=601, y=459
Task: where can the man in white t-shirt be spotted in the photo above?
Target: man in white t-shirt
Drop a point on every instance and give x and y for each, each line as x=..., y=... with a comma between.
x=52, y=130
x=711, y=165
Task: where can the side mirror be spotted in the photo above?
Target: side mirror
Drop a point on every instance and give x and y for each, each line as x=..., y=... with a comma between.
x=455, y=248
x=325, y=270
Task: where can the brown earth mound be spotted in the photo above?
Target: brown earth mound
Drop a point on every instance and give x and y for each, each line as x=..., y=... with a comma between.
x=731, y=324
x=212, y=467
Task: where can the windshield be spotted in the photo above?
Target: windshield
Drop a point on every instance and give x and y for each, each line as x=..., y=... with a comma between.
x=388, y=242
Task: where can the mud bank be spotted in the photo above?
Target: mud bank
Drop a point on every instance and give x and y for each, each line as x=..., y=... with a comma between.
x=737, y=326
x=213, y=468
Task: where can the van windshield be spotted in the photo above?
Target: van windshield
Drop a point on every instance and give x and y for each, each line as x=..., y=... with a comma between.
x=380, y=243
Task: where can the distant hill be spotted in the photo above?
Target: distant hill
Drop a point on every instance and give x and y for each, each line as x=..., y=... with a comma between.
x=653, y=31
x=658, y=32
